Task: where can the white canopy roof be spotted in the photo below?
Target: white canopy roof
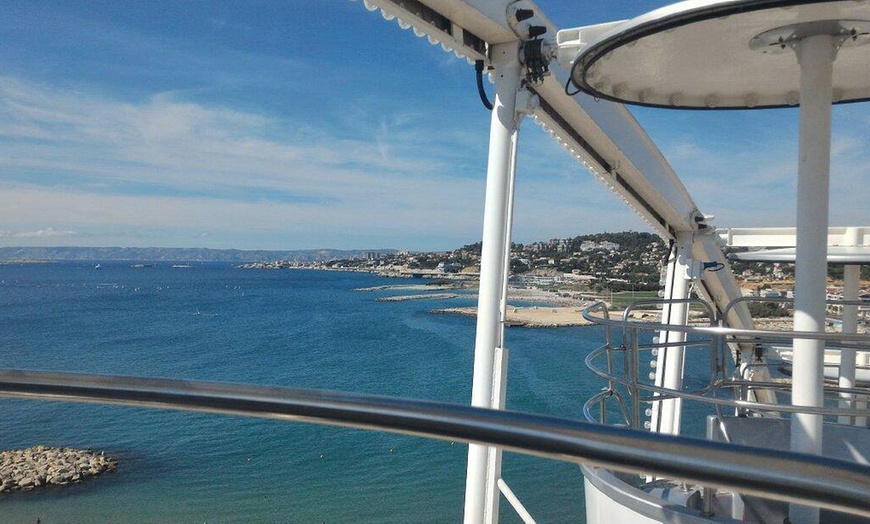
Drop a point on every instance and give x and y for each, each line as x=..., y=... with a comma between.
x=724, y=54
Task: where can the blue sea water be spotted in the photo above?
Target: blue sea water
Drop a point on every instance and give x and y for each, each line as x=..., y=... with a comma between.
x=295, y=328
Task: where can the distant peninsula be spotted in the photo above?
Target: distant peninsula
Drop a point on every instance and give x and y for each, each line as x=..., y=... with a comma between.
x=169, y=254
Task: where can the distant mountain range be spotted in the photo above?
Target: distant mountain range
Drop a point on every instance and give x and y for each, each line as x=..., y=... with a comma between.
x=158, y=254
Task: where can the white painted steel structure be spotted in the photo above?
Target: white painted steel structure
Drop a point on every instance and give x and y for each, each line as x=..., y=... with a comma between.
x=787, y=236
x=737, y=54
x=722, y=54
x=603, y=137
x=851, y=290
x=852, y=253
x=670, y=361
x=483, y=472
x=816, y=57
x=606, y=139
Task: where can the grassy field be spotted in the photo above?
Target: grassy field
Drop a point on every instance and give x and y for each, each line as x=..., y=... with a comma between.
x=622, y=299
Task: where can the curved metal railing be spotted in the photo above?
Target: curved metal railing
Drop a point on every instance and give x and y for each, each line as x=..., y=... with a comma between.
x=781, y=300
x=805, y=479
x=715, y=338
x=631, y=349
x=720, y=330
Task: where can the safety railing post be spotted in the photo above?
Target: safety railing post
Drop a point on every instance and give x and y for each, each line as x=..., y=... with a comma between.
x=635, y=371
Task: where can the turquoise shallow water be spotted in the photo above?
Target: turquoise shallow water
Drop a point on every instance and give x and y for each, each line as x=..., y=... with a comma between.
x=294, y=328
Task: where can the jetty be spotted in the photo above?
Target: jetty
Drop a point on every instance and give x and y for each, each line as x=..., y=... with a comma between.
x=38, y=466
x=427, y=296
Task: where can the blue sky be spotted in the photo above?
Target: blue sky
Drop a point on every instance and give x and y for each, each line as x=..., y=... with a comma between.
x=317, y=124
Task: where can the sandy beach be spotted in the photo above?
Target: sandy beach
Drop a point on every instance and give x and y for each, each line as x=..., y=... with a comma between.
x=551, y=298
x=530, y=316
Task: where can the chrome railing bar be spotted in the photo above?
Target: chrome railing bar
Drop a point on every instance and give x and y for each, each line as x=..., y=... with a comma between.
x=725, y=331
x=782, y=300
x=601, y=398
x=805, y=479
x=698, y=396
x=638, y=304
x=634, y=379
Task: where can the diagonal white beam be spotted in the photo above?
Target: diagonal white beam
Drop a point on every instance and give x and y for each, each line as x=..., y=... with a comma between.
x=603, y=136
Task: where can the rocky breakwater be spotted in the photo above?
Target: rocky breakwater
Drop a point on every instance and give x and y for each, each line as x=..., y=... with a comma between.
x=30, y=468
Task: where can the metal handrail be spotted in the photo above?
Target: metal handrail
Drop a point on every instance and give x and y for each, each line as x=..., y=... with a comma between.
x=805, y=479
x=660, y=393
x=785, y=300
x=658, y=302
x=663, y=393
x=719, y=330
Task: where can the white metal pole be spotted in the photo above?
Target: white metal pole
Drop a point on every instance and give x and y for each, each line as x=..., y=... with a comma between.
x=500, y=362
x=515, y=502
x=489, y=326
x=851, y=285
x=816, y=56
x=494, y=453
x=509, y=223
x=670, y=360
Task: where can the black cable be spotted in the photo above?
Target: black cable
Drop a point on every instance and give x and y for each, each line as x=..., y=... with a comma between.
x=568, y=89
x=478, y=68
x=668, y=254
x=570, y=81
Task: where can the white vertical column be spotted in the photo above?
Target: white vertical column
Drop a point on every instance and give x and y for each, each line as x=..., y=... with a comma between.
x=851, y=287
x=494, y=453
x=671, y=359
x=816, y=56
x=500, y=362
x=489, y=326
x=509, y=223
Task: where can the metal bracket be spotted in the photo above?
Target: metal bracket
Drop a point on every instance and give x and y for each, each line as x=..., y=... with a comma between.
x=535, y=59
x=846, y=33
x=534, y=53
x=527, y=102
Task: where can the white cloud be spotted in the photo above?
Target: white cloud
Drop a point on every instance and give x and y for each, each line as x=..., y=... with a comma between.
x=757, y=186
x=41, y=233
x=83, y=160
x=183, y=145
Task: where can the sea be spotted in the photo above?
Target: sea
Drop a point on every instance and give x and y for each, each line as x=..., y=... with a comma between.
x=295, y=328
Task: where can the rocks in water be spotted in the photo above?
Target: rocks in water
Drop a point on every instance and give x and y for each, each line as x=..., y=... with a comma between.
x=30, y=468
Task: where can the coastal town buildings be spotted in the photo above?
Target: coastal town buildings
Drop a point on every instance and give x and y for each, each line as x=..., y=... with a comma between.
x=601, y=263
